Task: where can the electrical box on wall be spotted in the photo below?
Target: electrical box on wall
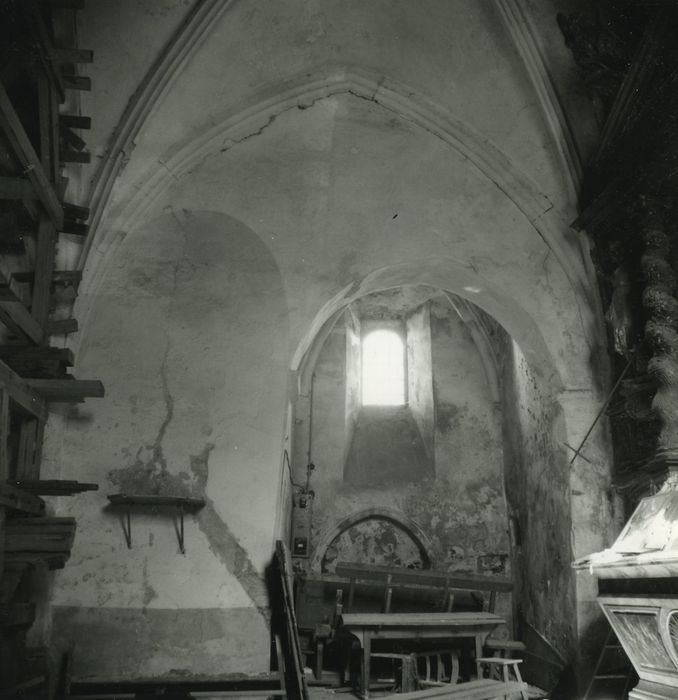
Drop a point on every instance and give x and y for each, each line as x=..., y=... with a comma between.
x=301, y=524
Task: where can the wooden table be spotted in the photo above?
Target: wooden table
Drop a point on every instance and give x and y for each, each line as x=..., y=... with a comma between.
x=415, y=626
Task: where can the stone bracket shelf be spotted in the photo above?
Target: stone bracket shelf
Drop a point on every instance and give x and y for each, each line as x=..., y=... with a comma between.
x=180, y=503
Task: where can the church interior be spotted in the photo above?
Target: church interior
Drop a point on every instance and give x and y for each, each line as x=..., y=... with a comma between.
x=339, y=349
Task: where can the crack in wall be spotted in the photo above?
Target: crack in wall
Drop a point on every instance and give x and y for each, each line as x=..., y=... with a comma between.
x=229, y=143
x=152, y=476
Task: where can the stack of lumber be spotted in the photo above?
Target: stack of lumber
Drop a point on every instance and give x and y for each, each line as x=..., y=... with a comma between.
x=35, y=540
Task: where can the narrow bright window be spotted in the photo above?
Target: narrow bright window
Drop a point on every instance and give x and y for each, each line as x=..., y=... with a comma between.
x=383, y=369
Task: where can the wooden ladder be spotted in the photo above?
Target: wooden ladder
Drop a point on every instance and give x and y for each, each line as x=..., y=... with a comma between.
x=614, y=679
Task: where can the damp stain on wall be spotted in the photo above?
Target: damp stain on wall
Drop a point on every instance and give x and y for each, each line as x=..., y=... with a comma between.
x=466, y=524
x=373, y=541
x=152, y=477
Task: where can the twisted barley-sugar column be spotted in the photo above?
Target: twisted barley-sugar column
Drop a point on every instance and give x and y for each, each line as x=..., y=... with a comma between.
x=661, y=326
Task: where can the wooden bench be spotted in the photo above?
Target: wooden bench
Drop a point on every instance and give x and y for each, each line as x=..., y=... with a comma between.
x=447, y=583
x=485, y=689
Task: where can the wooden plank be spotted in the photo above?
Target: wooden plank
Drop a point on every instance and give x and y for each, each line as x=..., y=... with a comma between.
x=75, y=211
x=44, y=109
x=69, y=55
x=62, y=326
x=151, y=500
x=295, y=679
x=9, y=288
x=28, y=447
x=67, y=390
x=42, y=353
x=55, y=487
x=50, y=559
x=71, y=139
x=4, y=435
x=16, y=499
x=17, y=614
x=17, y=318
x=37, y=360
x=55, y=141
x=77, y=82
x=74, y=228
x=67, y=277
x=23, y=151
x=22, y=393
x=38, y=544
x=66, y=4
x=484, y=689
x=16, y=188
x=424, y=577
x=72, y=156
x=44, y=267
x=75, y=121
x=47, y=54
x=51, y=522
x=443, y=620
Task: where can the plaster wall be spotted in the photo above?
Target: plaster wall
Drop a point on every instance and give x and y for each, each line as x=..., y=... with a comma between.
x=249, y=211
x=194, y=329
x=538, y=494
x=459, y=505
x=420, y=374
x=189, y=339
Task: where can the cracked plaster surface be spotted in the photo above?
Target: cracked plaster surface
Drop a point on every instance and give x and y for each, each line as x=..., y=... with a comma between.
x=151, y=474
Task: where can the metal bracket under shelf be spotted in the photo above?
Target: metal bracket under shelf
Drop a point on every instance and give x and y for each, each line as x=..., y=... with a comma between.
x=180, y=503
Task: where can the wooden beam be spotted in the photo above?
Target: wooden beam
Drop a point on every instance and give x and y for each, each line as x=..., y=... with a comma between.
x=23, y=395
x=75, y=121
x=72, y=156
x=32, y=208
x=4, y=434
x=75, y=211
x=68, y=277
x=41, y=352
x=10, y=289
x=55, y=142
x=17, y=318
x=74, y=228
x=37, y=361
x=71, y=139
x=62, y=326
x=632, y=93
x=17, y=615
x=64, y=55
x=22, y=149
x=77, y=82
x=44, y=267
x=10, y=232
x=17, y=499
x=30, y=444
x=66, y=4
x=44, y=109
x=47, y=54
x=16, y=188
x=67, y=390
x=55, y=487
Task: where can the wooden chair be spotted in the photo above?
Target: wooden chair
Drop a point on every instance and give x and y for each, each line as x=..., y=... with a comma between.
x=504, y=648
x=439, y=667
x=501, y=669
